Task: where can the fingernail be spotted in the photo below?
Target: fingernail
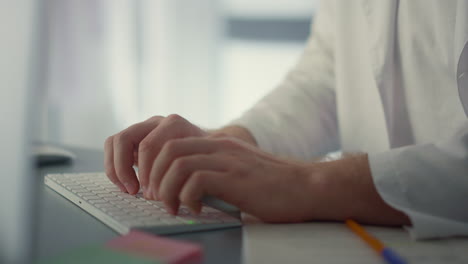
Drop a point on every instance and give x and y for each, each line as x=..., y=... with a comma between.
x=130, y=187
x=121, y=188
x=119, y=185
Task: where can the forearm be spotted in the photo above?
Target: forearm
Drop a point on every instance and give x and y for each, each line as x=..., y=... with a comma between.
x=236, y=132
x=346, y=190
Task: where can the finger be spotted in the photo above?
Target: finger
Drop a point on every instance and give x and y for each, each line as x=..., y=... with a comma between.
x=170, y=128
x=124, y=144
x=179, y=172
x=202, y=183
x=174, y=149
x=109, y=163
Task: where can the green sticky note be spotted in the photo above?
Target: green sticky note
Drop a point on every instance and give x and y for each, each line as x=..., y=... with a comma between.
x=97, y=255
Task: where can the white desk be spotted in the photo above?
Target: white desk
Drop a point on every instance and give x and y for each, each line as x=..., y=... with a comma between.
x=335, y=243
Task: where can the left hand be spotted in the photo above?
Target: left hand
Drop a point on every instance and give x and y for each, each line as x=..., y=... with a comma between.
x=269, y=188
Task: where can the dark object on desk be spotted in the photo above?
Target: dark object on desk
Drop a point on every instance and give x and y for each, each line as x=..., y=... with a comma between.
x=51, y=155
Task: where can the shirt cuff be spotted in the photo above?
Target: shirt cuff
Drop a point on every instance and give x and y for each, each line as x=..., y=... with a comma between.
x=395, y=185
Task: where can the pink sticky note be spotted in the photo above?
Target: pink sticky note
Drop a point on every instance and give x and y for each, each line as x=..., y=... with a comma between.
x=163, y=249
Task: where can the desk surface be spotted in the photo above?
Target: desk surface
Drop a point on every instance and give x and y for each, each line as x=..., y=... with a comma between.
x=64, y=226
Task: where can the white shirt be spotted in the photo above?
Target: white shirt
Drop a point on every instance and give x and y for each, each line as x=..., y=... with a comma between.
x=376, y=76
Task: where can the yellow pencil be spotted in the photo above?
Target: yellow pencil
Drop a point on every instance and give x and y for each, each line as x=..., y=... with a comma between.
x=389, y=255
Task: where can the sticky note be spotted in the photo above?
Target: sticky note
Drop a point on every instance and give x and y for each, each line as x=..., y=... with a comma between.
x=167, y=250
x=97, y=255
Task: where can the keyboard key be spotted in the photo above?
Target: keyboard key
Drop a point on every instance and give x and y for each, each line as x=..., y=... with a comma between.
x=95, y=188
x=119, y=202
x=116, y=213
x=88, y=184
x=90, y=197
x=71, y=186
x=105, y=206
x=138, y=203
x=140, y=213
x=112, y=188
x=147, y=207
x=130, y=210
x=82, y=191
x=106, y=195
x=81, y=181
x=97, y=201
x=156, y=204
x=124, y=217
x=112, y=198
x=132, y=223
x=100, y=191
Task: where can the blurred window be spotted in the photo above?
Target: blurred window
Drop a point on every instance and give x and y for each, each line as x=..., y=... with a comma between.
x=262, y=43
x=112, y=63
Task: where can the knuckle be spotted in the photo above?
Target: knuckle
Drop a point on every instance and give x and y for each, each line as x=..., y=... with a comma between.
x=155, y=118
x=132, y=128
x=179, y=164
x=122, y=137
x=109, y=141
x=145, y=146
x=228, y=142
x=171, y=146
x=238, y=171
x=174, y=118
x=197, y=178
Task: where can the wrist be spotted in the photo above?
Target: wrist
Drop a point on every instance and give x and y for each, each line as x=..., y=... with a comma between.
x=238, y=132
x=346, y=190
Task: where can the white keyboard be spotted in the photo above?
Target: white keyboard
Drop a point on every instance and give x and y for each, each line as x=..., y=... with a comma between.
x=98, y=196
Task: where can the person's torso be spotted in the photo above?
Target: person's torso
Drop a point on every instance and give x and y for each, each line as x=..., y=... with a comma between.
x=418, y=100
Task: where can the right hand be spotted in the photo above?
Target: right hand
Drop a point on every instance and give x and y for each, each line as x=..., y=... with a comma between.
x=139, y=145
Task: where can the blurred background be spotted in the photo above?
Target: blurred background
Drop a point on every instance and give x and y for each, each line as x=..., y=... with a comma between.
x=111, y=63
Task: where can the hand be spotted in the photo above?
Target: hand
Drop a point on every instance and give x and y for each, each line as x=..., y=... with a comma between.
x=140, y=144
x=269, y=188
x=272, y=189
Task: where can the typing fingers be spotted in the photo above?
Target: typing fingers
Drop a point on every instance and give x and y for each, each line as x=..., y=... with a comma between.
x=181, y=170
x=201, y=183
x=109, y=163
x=172, y=127
x=172, y=150
x=123, y=146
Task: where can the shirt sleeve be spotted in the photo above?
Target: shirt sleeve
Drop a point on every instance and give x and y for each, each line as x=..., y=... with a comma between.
x=429, y=183
x=298, y=118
